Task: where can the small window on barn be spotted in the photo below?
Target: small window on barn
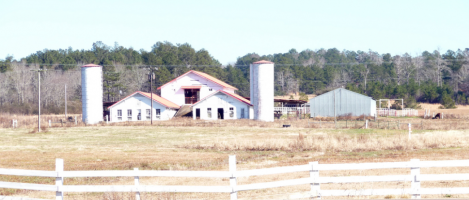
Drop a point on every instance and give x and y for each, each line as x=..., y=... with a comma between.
x=158, y=113
x=231, y=112
x=148, y=111
x=209, y=112
x=210, y=89
x=119, y=115
x=242, y=113
x=129, y=114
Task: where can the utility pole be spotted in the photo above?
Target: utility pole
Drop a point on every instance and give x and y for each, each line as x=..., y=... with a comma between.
x=151, y=76
x=39, y=97
x=335, y=119
x=65, y=101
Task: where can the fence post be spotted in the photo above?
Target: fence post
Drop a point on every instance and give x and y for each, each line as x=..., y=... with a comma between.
x=62, y=122
x=107, y=119
x=315, y=185
x=75, y=120
x=398, y=125
x=410, y=130
x=59, y=168
x=50, y=123
x=442, y=115
x=232, y=162
x=415, y=172
x=136, y=180
x=375, y=117
x=366, y=124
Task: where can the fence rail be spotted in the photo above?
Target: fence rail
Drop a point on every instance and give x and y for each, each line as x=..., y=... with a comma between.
x=406, y=112
x=286, y=110
x=314, y=180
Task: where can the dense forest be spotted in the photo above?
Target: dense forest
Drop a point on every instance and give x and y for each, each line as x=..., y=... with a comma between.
x=430, y=76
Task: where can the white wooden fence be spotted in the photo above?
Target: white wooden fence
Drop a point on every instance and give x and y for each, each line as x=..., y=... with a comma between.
x=406, y=112
x=285, y=110
x=313, y=180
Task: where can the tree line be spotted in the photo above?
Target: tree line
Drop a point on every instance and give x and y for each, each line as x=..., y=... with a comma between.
x=429, y=76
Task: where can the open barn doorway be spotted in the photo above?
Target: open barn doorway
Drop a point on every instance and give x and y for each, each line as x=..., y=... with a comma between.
x=197, y=113
x=220, y=113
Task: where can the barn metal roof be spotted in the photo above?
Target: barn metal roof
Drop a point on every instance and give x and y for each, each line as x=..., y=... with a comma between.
x=206, y=76
x=158, y=99
x=237, y=97
x=192, y=87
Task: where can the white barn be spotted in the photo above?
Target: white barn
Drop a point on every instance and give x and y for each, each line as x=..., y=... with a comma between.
x=192, y=86
x=194, y=93
x=136, y=107
x=222, y=105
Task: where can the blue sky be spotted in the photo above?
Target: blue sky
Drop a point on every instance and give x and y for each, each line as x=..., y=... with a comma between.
x=228, y=29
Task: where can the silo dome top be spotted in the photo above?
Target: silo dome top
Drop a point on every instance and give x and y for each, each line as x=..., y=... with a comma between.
x=91, y=65
x=263, y=62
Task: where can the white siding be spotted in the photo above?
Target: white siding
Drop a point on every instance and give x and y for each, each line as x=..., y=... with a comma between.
x=346, y=102
x=92, y=94
x=142, y=103
x=224, y=101
x=173, y=92
x=262, y=91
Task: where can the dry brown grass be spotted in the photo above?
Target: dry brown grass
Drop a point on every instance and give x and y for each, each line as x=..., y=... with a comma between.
x=450, y=122
x=340, y=143
x=184, y=144
x=30, y=121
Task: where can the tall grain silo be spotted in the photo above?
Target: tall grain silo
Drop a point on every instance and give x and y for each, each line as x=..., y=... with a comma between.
x=92, y=93
x=262, y=90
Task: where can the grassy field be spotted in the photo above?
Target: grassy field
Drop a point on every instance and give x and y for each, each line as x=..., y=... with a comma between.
x=197, y=147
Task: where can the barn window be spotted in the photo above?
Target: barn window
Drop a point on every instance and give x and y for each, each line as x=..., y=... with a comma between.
x=209, y=112
x=231, y=112
x=210, y=89
x=119, y=115
x=242, y=113
x=158, y=113
x=148, y=113
x=129, y=114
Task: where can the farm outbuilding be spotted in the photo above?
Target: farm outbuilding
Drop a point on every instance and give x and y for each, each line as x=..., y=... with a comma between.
x=346, y=103
x=136, y=107
x=222, y=105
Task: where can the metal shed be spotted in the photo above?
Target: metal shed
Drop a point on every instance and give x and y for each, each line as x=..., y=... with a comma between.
x=346, y=102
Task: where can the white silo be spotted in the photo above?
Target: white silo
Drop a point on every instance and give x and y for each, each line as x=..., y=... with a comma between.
x=92, y=93
x=262, y=90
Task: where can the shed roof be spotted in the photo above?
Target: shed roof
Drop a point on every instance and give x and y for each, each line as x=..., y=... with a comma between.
x=285, y=100
x=158, y=99
x=342, y=89
x=237, y=97
x=206, y=76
